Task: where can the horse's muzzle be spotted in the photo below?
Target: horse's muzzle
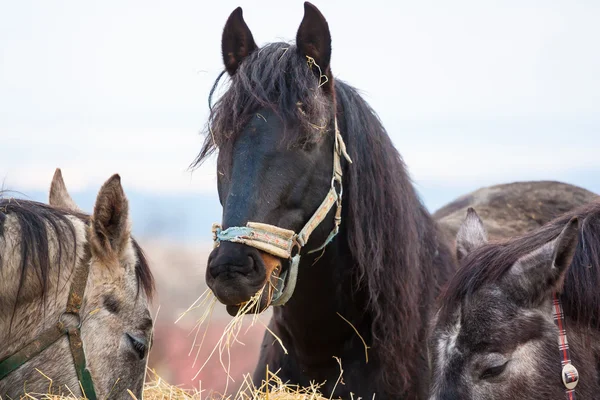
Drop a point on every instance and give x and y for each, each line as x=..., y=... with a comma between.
x=236, y=273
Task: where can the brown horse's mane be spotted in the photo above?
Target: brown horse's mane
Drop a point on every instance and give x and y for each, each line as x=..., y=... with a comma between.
x=398, y=262
x=489, y=263
x=35, y=220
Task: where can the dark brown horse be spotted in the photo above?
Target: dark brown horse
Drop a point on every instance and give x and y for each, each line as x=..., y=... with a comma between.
x=496, y=335
x=275, y=131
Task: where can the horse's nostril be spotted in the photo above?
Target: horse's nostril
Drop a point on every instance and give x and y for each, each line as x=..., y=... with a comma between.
x=216, y=270
x=220, y=265
x=252, y=264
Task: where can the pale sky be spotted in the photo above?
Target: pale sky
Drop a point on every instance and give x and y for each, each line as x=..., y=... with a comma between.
x=472, y=92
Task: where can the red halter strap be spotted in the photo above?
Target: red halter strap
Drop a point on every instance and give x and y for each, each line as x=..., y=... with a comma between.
x=569, y=373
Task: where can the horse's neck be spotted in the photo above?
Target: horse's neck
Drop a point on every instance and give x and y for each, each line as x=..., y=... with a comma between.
x=584, y=344
x=321, y=317
x=313, y=317
x=26, y=311
x=30, y=318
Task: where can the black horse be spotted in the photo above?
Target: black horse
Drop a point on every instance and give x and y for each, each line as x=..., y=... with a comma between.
x=274, y=129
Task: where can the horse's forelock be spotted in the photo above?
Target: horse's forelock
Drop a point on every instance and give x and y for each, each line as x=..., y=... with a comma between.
x=276, y=78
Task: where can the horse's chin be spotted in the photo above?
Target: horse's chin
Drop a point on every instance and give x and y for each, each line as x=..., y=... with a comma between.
x=262, y=305
x=273, y=267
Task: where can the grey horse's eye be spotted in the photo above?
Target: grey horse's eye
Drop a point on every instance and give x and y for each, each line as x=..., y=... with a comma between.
x=493, y=371
x=138, y=344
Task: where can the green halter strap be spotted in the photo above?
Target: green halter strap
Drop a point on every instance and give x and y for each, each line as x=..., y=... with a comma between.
x=54, y=333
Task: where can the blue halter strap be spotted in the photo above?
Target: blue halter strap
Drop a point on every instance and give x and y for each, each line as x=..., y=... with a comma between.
x=281, y=242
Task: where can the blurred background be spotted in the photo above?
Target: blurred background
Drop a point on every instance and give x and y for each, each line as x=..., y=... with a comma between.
x=473, y=93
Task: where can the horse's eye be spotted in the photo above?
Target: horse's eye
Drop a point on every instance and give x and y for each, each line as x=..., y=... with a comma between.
x=493, y=371
x=139, y=345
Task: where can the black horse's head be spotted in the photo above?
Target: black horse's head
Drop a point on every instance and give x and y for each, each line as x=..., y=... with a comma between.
x=274, y=129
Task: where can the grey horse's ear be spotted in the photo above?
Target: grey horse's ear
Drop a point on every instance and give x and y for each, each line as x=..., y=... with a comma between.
x=471, y=234
x=110, y=227
x=59, y=196
x=543, y=270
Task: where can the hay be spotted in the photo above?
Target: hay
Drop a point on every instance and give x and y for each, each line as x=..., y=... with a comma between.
x=273, y=388
x=231, y=333
x=158, y=389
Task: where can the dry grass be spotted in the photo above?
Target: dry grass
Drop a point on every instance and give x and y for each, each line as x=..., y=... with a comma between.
x=273, y=387
x=158, y=389
x=231, y=333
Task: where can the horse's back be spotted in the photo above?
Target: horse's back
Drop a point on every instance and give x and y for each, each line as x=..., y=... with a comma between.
x=512, y=209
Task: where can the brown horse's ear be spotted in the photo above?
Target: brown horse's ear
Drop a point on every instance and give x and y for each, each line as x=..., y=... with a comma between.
x=471, y=235
x=109, y=229
x=59, y=196
x=237, y=41
x=314, y=40
x=542, y=271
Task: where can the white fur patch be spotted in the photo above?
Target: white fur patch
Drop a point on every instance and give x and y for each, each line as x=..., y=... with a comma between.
x=447, y=344
x=445, y=349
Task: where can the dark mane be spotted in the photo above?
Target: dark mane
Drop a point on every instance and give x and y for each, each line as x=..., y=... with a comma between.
x=580, y=296
x=34, y=221
x=392, y=238
x=143, y=272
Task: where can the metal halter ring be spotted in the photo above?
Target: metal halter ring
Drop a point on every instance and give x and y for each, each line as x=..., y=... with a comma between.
x=62, y=322
x=295, y=246
x=341, y=187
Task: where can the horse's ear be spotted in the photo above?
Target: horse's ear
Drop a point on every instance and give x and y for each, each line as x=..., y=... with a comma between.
x=237, y=41
x=314, y=40
x=59, y=196
x=110, y=227
x=542, y=271
x=471, y=234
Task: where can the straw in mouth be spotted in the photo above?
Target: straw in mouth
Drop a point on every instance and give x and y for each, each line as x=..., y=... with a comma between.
x=273, y=283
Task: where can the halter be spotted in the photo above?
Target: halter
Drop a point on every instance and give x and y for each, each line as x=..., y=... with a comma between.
x=569, y=374
x=281, y=242
x=62, y=328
